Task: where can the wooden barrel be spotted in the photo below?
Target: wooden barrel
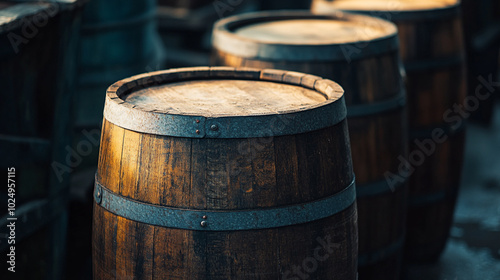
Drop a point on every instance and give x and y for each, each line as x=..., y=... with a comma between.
x=37, y=49
x=433, y=53
x=363, y=57
x=118, y=40
x=218, y=173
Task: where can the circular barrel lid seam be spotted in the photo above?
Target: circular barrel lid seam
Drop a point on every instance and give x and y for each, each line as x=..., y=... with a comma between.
x=223, y=39
x=159, y=122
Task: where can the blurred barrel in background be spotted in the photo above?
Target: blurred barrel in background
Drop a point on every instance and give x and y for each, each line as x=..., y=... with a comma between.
x=118, y=40
x=185, y=27
x=432, y=50
x=363, y=57
x=284, y=5
x=481, y=23
x=38, y=44
x=225, y=174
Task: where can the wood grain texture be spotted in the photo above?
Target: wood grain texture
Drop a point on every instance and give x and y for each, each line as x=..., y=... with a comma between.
x=224, y=174
x=239, y=97
x=376, y=140
x=433, y=52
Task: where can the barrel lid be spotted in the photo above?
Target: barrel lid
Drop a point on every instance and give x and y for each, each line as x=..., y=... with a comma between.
x=224, y=102
x=302, y=36
x=396, y=10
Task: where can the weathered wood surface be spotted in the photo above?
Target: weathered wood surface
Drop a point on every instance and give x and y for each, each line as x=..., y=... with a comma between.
x=224, y=174
x=432, y=49
x=377, y=139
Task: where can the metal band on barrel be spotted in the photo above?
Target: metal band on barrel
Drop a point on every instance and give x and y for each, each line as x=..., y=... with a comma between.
x=229, y=220
x=361, y=110
x=224, y=39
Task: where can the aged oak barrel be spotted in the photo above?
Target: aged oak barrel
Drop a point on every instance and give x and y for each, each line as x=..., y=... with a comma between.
x=38, y=43
x=361, y=53
x=433, y=53
x=118, y=40
x=220, y=173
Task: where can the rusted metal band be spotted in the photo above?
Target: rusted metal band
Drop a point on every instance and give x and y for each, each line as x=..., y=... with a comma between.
x=229, y=220
x=369, y=258
x=144, y=120
x=225, y=39
x=361, y=110
x=378, y=188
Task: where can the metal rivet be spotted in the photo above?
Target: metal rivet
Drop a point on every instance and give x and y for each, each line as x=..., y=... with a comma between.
x=197, y=131
x=98, y=196
x=204, y=217
x=214, y=127
x=203, y=223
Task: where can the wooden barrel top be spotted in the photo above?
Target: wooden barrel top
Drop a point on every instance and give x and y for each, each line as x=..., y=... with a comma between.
x=311, y=31
x=394, y=10
x=302, y=36
x=223, y=102
x=385, y=5
x=225, y=97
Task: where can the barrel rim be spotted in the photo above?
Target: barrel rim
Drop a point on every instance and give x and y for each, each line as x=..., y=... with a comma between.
x=437, y=13
x=225, y=40
x=159, y=122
